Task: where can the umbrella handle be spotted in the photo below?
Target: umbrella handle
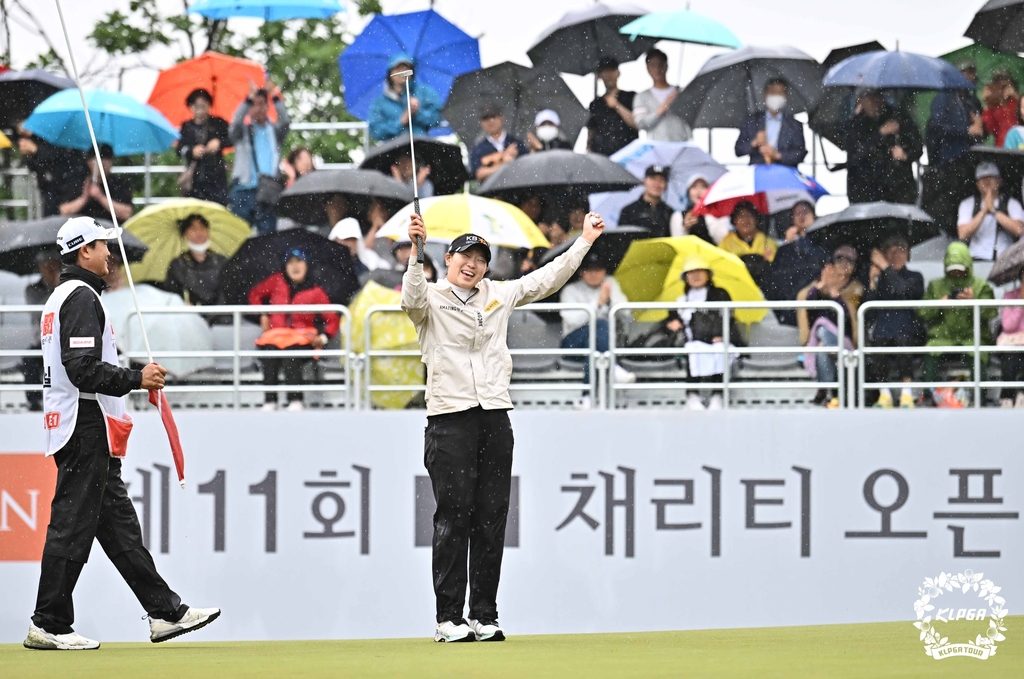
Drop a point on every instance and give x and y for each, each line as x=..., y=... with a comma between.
x=419, y=240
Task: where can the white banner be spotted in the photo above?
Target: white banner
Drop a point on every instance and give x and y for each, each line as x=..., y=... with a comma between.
x=317, y=525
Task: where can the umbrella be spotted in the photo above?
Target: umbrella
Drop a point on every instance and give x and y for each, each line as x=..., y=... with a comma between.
x=447, y=171
x=268, y=10
x=22, y=91
x=866, y=225
x=227, y=79
x=448, y=217
x=558, y=169
x=5, y=142
x=20, y=242
x=999, y=24
x=127, y=125
x=729, y=86
x=521, y=92
x=836, y=104
x=303, y=201
x=651, y=270
x=391, y=331
x=1008, y=265
x=330, y=265
x=441, y=51
x=896, y=70
x=843, y=53
x=157, y=227
x=609, y=249
x=681, y=26
x=1009, y=161
x=771, y=188
x=581, y=38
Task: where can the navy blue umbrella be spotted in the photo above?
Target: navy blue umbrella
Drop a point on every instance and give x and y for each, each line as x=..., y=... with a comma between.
x=897, y=70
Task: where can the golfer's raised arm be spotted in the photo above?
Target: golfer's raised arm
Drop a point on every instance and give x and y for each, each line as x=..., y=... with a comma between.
x=550, y=278
x=414, y=285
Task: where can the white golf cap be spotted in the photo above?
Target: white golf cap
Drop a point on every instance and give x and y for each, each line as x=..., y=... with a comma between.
x=956, y=267
x=547, y=116
x=346, y=228
x=79, y=231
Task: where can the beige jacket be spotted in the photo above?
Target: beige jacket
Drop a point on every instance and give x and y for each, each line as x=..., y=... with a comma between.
x=463, y=345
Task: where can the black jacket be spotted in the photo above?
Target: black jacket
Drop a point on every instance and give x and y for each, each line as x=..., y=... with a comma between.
x=198, y=283
x=872, y=173
x=706, y=324
x=210, y=181
x=655, y=218
x=901, y=325
x=82, y=316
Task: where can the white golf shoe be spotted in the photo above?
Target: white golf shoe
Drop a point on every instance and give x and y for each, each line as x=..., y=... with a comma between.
x=454, y=630
x=194, y=618
x=40, y=640
x=487, y=630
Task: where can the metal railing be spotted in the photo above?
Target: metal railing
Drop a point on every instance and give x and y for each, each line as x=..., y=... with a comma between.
x=976, y=349
x=727, y=350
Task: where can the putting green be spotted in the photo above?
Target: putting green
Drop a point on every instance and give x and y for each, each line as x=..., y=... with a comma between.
x=834, y=651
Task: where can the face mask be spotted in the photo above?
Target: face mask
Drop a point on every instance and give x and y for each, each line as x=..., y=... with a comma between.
x=199, y=248
x=775, y=102
x=547, y=133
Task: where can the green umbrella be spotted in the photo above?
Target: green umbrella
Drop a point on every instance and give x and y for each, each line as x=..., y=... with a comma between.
x=681, y=26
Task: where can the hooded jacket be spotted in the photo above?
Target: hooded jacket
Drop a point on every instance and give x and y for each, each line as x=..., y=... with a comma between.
x=387, y=109
x=956, y=326
x=277, y=289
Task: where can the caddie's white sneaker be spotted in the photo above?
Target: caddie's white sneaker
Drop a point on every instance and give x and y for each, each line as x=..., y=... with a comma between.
x=453, y=630
x=487, y=630
x=40, y=640
x=194, y=618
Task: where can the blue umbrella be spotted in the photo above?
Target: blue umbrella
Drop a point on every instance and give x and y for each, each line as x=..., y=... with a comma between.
x=440, y=49
x=127, y=125
x=681, y=26
x=897, y=70
x=268, y=10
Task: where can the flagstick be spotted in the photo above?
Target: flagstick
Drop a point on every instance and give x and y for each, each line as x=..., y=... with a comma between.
x=415, y=176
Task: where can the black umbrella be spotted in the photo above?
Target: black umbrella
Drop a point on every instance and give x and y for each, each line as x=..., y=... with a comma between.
x=866, y=225
x=521, y=92
x=447, y=171
x=582, y=38
x=304, y=200
x=840, y=54
x=837, y=103
x=20, y=242
x=1009, y=265
x=22, y=91
x=999, y=25
x=729, y=87
x=610, y=248
x=1010, y=163
x=330, y=265
x=582, y=173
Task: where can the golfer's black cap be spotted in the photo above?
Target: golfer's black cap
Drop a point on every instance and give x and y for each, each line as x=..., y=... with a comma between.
x=467, y=241
x=489, y=109
x=656, y=170
x=607, y=64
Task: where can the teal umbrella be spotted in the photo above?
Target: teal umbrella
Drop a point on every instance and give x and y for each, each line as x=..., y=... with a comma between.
x=681, y=26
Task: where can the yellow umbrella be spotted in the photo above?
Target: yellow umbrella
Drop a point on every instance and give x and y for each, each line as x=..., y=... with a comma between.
x=448, y=217
x=157, y=227
x=651, y=272
x=388, y=330
x=5, y=143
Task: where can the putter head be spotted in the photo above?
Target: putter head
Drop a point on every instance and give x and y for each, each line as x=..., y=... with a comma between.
x=403, y=74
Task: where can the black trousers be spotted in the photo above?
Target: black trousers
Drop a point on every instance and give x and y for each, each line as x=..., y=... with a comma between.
x=468, y=456
x=91, y=501
x=1013, y=371
x=292, y=373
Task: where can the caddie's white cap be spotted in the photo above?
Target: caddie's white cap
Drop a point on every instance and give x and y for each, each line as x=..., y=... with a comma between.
x=79, y=231
x=346, y=228
x=547, y=116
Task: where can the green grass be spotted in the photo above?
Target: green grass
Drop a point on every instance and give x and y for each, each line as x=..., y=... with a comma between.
x=835, y=651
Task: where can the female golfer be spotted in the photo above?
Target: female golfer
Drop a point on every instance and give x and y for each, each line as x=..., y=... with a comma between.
x=462, y=323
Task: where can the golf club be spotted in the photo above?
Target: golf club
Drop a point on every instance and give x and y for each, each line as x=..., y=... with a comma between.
x=412, y=152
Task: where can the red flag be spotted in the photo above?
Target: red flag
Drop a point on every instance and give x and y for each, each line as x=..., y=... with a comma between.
x=159, y=399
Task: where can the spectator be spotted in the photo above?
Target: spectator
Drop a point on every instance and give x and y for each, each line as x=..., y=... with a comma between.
x=389, y=114
x=298, y=164
x=650, y=211
x=36, y=294
x=772, y=136
x=1012, y=335
x=533, y=206
x=577, y=213
x=257, y=155
x=955, y=327
x=497, y=147
x=554, y=224
x=652, y=108
x=402, y=171
x=707, y=228
x=348, y=233
x=595, y=288
x=891, y=280
x=881, y=146
x=701, y=329
x=54, y=168
x=1001, y=105
x=292, y=331
x=820, y=327
x=195, y=275
x=547, y=133
x=989, y=221
x=748, y=242
x=797, y=263
x=402, y=252
x=201, y=146
x=1015, y=137
x=89, y=199
x=611, y=125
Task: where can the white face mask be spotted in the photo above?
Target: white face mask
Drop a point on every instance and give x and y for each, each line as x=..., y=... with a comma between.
x=547, y=133
x=199, y=248
x=775, y=102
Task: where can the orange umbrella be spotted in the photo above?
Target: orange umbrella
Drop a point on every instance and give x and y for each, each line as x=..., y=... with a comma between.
x=226, y=78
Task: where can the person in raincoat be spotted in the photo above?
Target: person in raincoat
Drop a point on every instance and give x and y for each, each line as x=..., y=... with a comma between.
x=389, y=114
